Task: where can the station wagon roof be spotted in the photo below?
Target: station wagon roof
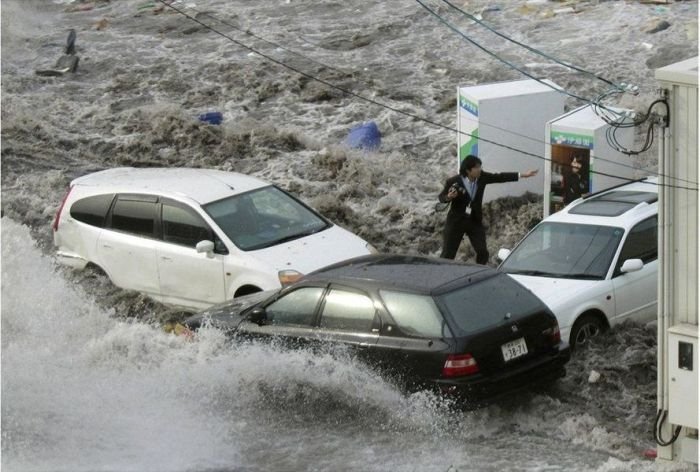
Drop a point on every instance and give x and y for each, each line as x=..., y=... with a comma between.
x=410, y=273
x=201, y=185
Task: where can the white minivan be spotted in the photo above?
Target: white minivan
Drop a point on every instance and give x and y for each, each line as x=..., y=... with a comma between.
x=194, y=237
x=594, y=263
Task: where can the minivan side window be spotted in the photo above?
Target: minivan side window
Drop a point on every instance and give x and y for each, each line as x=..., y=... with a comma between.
x=348, y=311
x=92, y=210
x=134, y=215
x=641, y=243
x=183, y=226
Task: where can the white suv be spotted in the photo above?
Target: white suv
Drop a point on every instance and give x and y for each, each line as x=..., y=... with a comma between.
x=194, y=237
x=594, y=263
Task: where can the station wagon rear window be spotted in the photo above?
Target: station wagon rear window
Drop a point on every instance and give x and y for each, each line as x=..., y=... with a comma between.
x=486, y=303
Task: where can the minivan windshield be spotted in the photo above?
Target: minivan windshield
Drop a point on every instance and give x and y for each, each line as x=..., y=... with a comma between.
x=264, y=217
x=565, y=250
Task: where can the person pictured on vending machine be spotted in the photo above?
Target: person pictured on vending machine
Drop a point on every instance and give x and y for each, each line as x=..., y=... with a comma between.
x=575, y=181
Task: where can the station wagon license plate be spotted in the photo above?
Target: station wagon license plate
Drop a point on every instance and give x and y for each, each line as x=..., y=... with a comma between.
x=514, y=349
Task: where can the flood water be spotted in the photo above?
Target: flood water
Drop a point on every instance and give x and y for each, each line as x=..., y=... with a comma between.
x=91, y=382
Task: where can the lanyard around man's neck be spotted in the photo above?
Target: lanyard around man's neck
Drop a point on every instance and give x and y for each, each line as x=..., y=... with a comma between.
x=470, y=186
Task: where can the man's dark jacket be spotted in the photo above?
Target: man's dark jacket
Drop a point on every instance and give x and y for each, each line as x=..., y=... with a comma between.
x=459, y=204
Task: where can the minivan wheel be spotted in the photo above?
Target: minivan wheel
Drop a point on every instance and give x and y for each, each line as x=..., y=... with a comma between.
x=585, y=328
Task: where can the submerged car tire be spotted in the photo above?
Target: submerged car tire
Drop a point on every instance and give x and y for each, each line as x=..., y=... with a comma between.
x=586, y=327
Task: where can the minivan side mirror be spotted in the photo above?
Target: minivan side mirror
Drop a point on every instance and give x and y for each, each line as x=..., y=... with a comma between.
x=206, y=247
x=503, y=254
x=632, y=265
x=258, y=315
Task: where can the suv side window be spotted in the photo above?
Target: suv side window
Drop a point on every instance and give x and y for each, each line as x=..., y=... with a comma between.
x=92, y=210
x=350, y=311
x=641, y=243
x=183, y=226
x=295, y=308
x=135, y=215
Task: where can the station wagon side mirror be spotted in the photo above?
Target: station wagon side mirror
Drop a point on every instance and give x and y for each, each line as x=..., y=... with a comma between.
x=632, y=265
x=206, y=247
x=503, y=254
x=258, y=315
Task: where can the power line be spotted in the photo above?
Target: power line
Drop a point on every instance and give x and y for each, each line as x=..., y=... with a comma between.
x=500, y=59
x=610, y=137
x=614, y=124
x=531, y=49
x=277, y=45
x=496, y=56
x=375, y=102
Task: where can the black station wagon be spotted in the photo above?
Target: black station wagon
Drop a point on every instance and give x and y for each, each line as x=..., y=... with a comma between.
x=427, y=322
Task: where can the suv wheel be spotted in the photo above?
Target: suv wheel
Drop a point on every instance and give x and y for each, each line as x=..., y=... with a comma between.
x=585, y=328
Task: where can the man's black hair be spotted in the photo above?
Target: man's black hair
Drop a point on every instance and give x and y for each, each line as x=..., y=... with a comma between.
x=468, y=164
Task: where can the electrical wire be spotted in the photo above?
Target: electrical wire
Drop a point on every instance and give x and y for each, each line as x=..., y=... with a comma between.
x=380, y=104
x=504, y=61
x=658, y=424
x=618, y=122
x=533, y=50
x=611, y=140
x=614, y=125
x=277, y=45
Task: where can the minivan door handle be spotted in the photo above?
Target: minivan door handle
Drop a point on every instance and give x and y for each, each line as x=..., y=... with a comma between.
x=107, y=246
x=166, y=258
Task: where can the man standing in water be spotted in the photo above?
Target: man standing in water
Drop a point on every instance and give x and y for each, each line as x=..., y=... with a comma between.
x=465, y=192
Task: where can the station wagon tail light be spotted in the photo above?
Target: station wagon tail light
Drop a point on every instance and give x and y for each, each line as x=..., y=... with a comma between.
x=458, y=365
x=288, y=277
x=54, y=226
x=553, y=333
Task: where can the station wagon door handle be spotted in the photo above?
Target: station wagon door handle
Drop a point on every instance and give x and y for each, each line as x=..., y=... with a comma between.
x=166, y=258
x=107, y=246
x=364, y=345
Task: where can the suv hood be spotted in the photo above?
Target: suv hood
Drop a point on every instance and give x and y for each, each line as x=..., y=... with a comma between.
x=314, y=251
x=554, y=292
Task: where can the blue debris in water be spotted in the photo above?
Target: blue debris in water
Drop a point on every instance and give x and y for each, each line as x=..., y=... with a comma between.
x=365, y=136
x=213, y=117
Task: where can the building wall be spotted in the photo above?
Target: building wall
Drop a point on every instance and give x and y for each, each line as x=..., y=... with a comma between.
x=681, y=225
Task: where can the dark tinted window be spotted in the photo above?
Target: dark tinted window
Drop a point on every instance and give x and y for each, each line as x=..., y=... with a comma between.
x=348, y=311
x=295, y=308
x=92, y=210
x=641, y=243
x=486, y=303
x=184, y=226
x=134, y=216
x=416, y=315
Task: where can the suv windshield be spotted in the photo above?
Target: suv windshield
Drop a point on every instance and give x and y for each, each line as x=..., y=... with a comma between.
x=567, y=250
x=263, y=218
